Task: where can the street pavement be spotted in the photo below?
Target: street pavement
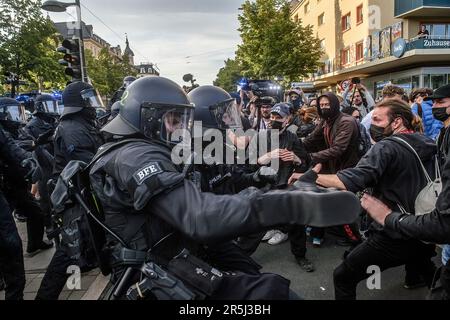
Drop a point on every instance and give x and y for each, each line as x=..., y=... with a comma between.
x=318, y=285
x=278, y=259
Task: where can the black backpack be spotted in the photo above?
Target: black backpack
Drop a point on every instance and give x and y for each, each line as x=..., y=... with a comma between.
x=80, y=216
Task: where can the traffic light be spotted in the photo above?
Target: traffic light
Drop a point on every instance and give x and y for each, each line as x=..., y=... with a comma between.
x=72, y=58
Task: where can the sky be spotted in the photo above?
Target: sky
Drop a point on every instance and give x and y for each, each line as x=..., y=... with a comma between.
x=180, y=36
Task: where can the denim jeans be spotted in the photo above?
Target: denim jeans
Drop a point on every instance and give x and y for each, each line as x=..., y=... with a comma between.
x=446, y=255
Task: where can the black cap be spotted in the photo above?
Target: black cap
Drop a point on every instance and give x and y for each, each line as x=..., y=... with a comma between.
x=440, y=93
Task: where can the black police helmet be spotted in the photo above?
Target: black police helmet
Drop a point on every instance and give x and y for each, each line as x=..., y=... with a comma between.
x=46, y=104
x=215, y=108
x=72, y=97
x=148, y=106
x=11, y=111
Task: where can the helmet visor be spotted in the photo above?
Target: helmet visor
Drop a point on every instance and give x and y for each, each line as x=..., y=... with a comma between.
x=91, y=98
x=49, y=107
x=227, y=115
x=13, y=113
x=176, y=125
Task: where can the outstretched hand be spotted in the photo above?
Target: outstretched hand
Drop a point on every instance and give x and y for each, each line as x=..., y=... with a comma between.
x=375, y=208
x=297, y=176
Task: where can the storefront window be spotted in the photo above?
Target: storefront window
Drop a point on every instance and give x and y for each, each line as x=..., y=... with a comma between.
x=426, y=81
x=415, y=82
x=404, y=83
x=439, y=31
x=438, y=80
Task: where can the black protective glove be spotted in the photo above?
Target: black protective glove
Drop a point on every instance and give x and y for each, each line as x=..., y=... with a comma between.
x=44, y=138
x=265, y=174
x=30, y=166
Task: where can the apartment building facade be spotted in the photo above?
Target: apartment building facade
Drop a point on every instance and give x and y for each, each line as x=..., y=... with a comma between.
x=377, y=40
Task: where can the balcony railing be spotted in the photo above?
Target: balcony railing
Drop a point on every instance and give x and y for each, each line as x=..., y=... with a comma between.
x=404, y=7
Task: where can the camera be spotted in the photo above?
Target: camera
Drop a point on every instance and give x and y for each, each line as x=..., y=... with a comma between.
x=356, y=80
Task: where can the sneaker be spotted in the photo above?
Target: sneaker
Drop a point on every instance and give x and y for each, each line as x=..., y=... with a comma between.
x=44, y=246
x=269, y=234
x=305, y=264
x=19, y=218
x=308, y=231
x=278, y=238
x=317, y=242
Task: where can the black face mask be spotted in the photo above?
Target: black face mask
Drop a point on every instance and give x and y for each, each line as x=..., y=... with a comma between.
x=326, y=114
x=440, y=114
x=276, y=125
x=379, y=133
x=90, y=115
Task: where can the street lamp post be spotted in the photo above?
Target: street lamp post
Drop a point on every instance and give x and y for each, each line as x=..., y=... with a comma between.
x=57, y=6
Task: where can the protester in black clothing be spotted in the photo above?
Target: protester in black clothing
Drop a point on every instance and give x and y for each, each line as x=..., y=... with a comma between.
x=76, y=138
x=292, y=157
x=395, y=176
x=433, y=227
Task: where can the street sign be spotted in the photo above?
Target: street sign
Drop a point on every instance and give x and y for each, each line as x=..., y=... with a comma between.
x=302, y=85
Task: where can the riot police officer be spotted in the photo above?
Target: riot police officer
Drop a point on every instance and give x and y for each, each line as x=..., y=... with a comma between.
x=16, y=189
x=216, y=109
x=41, y=128
x=147, y=200
x=76, y=138
x=12, y=158
x=46, y=115
x=118, y=94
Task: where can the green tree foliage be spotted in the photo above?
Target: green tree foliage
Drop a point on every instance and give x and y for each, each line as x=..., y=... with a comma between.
x=275, y=45
x=107, y=72
x=229, y=75
x=27, y=44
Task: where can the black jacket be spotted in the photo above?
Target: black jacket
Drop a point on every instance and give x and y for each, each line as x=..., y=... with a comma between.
x=433, y=227
x=289, y=141
x=38, y=126
x=75, y=139
x=392, y=171
x=10, y=153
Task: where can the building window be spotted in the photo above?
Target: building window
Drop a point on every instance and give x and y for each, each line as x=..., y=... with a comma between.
x=359, y=51
x=307, y=7
x=321, y=19
x=359, y=15
x=346, y=22
x=143, y=70
x=345, y=57
x=296, y=18
x=322, y=44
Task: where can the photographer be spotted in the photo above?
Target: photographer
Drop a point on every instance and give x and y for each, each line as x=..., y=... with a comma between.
x=260, y=112
x=360, y=97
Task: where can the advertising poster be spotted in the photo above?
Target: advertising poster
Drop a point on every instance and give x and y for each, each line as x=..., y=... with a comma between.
x=367, y=48
x=385, y=42
x=375, y=45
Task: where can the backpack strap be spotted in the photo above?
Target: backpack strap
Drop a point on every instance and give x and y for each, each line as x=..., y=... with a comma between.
x=401, y=141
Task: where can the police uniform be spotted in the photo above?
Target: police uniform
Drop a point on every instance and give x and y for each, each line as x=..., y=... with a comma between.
x=76, y=138
x=11, y=255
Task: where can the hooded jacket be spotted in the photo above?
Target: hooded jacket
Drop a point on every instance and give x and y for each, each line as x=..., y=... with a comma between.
x=431, y=125
x=340, y=149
